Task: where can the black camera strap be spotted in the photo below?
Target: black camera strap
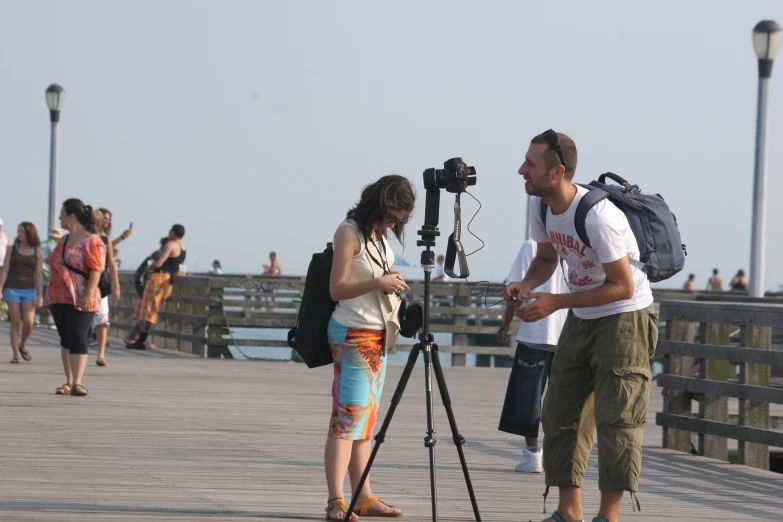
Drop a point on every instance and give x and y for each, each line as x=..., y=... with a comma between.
x=383, y=264
x=454, y=249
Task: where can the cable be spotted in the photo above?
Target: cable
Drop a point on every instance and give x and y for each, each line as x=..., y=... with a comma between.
x=483, y=244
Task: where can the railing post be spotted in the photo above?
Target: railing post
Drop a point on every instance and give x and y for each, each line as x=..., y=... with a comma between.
x=678, y=402
x=757, y=413
x=216, y=322
x=460, y=339
x=713, y=407
x=199, y=348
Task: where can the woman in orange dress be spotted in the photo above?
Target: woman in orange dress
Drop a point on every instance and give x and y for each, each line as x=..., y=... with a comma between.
x=74, y=298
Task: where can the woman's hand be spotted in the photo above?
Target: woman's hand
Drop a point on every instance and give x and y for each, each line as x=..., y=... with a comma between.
x=116, y=294
x=39, y=302
x=392, y=283
x=86, y=305
x=126, y=234
x=502, y=336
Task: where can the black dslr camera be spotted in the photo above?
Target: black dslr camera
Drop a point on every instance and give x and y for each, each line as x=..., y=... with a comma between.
x=455, y=176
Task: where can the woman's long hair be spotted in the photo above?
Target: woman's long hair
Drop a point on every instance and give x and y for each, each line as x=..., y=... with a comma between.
x=82, y=212
x=107, y=230
x=31, y=234
x=97, y=217
x=390, y=193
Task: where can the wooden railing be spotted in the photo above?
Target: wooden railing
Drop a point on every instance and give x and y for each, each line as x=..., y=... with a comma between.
x=182, y=322
x=701, y=362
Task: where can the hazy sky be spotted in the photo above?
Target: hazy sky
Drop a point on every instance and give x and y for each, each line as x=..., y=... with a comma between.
x=255, y=124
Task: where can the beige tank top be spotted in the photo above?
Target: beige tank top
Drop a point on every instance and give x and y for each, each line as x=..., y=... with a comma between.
x=363, y=311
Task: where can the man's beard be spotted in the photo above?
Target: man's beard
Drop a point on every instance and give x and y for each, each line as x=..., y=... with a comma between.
x=541, y=192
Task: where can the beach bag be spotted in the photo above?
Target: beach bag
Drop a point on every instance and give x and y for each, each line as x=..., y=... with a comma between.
x=309, y=337
x=661, y=252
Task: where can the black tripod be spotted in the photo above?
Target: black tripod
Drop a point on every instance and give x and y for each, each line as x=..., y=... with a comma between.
x=428, y=347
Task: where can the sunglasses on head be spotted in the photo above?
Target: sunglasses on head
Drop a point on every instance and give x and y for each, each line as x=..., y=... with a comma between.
x=553, y=141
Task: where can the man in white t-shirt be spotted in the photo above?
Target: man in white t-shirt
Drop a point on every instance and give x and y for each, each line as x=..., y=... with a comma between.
x=439, y=274
x=607, y=341
x=536, y=343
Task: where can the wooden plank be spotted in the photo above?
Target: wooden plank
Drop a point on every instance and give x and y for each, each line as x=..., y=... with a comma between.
x=191, y=338
x=190, y=318
x=723, y=389
x=244, y=440
x=720, y=429
x=726, y=353
x=723, y=313
x=715, y=407
x=678, y=402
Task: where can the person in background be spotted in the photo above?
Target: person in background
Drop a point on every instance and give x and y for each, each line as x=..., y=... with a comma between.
x=690, y=284
x=439, y=274
x=536, y=344
x=216, y=268
x=73, y=298
x=715, y=283
x=117, y=260
x=100, y=323
x=158, y=287
x=739, y=283
x=107, y=222
x=272, y=269
x=47, y=247
x=5, y=242
x=21, y=283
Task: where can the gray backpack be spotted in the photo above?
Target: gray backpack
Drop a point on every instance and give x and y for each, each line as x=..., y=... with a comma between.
x=661, y=251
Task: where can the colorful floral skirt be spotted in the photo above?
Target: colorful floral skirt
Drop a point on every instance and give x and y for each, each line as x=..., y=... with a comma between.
x=359, y=372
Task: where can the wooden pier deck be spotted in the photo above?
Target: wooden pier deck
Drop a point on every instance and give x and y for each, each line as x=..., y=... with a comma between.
x=171, y=437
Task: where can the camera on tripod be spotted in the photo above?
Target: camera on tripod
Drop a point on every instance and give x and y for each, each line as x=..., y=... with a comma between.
x=455, y=177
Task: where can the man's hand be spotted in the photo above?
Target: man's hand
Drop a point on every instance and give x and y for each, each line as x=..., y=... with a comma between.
x=543, y=306
x=516, y=289
x=502, y=336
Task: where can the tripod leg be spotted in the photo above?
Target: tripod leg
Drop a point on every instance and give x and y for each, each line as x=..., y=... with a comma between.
x=379, y=438
x=429, y=440
x=459, y=440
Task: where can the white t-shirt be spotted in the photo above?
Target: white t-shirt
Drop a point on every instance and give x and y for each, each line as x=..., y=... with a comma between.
x=547, y=330
x=439, y=274
x=4, y=244
x=611, y=238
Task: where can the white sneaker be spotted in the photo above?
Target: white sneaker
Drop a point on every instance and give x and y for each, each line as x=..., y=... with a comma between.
x=531, y=462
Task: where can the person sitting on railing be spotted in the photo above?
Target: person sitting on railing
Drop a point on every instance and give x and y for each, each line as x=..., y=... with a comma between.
x=158, y=288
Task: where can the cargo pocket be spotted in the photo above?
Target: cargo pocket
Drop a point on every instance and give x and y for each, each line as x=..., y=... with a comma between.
x=653, y=336
x=631, y=396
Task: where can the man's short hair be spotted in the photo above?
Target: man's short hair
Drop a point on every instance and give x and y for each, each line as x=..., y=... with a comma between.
x=714, y=271
x=441, y=258
x=179, y=231
x=691, y=276
x=567, y=147
x=272, y=254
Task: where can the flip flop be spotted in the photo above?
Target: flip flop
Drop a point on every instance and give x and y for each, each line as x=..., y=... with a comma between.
x=100, y=362
x=15, y=360
x=25, y=354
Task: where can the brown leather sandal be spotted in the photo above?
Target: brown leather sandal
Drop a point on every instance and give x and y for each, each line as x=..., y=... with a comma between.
x=65, y=389
x=338, y=503
x=78, y=390
x=364, y=504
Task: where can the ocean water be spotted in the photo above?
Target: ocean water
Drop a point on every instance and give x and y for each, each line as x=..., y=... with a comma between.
x=283, y=353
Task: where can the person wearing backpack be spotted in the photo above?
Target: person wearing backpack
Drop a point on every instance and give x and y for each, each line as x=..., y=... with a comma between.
x=362, y=330
x=608, y=338
x=76, y=266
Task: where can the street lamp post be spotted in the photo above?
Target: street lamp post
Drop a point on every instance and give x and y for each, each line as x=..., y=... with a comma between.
x=766, y=41
x=55, y=95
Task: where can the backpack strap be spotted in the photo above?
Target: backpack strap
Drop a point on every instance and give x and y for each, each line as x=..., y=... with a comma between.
x=595, y=195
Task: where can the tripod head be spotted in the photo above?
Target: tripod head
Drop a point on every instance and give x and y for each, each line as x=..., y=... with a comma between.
x=455, y=177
